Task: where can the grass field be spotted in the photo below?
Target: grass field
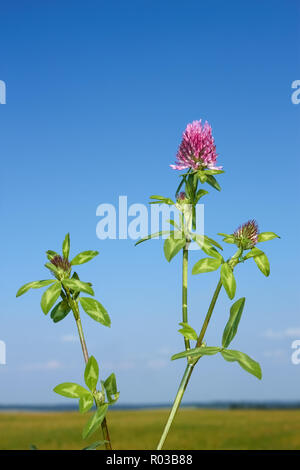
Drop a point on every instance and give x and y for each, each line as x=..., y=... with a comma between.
x=140, y=429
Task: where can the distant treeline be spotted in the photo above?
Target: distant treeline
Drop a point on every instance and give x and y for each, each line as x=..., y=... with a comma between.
x=271, y=405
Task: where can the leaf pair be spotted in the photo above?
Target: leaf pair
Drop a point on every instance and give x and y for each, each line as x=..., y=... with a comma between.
x=262, y=237
x=246, y=362
x=229, y=333
x=87, y=397
x=81, y=258
x=110, y=387
x=51, y=295
x=91, y=377
x=206, y=265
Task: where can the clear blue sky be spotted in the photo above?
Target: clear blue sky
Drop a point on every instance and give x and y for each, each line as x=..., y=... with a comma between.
x=98, y=94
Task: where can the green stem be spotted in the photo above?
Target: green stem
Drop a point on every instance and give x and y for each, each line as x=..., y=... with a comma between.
x=76, y=314
x=189, y=369
x=82, y=340
x=176, y=404
x=184, y=291
x=209, y=314
x=233, y=261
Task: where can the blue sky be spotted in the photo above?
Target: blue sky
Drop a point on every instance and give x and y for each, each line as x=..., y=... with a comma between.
x=98, y=95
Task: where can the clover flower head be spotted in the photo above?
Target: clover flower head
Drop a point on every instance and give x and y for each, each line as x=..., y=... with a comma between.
x=197, y=149
x=246, y=235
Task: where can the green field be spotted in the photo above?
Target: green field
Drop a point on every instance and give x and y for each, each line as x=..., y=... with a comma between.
x=140, y=429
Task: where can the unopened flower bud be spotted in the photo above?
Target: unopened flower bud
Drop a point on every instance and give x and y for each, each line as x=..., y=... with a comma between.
x=181, y=197
x=62, y=265
x=246, y=235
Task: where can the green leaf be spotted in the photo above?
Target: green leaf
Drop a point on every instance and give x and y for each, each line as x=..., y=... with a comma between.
x=50, y=296
x=78, y=286
x=66, y=246
x=205, y=244
x=50, y=254
x=229, y=239
x=91, y=373
x=76, y=294
x=262, y=263
x=254, y=252
x=224, y=234
x=60, y=311
x=95, y=445
x=110, y=385
x=54, y=270
x=260, y=259
x=84, y=257
x=266, y=236
x=95, y=421
x=86, y=402
x=233, y=322
x=95, y=310
x=71, y=390
x=206, y=265
x=200, y=194
x=187, y=331
x=244, y=361
x=197, y=352
x=213, y=242
x=213, y=182
x=153, y=235
x=189, y=189
x=213, y=172
x=33, y=285
x=173, y=245
x=228, y=280
x=162, y=200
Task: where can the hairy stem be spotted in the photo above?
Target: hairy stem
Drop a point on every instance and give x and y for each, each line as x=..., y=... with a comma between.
x=184, y=291
x=183, y=384
x=76, y=314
